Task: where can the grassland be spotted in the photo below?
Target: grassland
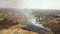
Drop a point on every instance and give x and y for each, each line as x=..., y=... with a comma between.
x=9, y=25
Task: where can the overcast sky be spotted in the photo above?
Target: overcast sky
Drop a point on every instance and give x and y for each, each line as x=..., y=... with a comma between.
x=33, y=4
x=41, y=4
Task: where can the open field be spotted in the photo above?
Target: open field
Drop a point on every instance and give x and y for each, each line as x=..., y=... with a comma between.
x=9, y=24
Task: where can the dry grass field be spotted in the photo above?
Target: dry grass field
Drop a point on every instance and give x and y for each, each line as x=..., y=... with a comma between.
x=9, y=25
x=15, y=30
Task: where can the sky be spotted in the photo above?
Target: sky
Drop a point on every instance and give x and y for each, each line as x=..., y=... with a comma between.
x=10, y=3
x=41, y=4
x=32, y=4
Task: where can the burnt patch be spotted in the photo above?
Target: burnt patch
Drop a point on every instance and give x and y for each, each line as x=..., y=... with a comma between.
x=34, y=28
x=6, y=23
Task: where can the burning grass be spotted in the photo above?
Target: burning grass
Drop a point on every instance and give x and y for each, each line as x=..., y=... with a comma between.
x=9, y=25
